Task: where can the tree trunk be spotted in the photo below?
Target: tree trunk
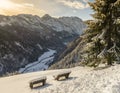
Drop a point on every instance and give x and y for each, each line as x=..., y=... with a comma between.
x=109, y=42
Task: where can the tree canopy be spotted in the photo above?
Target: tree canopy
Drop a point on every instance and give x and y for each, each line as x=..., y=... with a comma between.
x=103, y=33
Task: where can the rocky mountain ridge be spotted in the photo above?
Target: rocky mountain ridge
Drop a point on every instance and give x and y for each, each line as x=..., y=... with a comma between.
x=24, y=38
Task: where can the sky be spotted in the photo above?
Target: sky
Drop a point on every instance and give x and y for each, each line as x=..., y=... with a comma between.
x=55, y=8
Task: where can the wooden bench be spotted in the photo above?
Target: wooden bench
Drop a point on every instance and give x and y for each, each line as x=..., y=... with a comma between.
x=39, y=82
x=62, y=74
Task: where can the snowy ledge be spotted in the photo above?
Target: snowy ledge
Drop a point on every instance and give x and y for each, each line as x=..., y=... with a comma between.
x=82, y=80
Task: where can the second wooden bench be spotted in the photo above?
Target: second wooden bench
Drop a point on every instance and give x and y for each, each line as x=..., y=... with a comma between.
x=64, y=74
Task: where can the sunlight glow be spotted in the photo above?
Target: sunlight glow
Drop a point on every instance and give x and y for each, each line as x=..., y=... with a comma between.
x=5, y=4
x=7, y=7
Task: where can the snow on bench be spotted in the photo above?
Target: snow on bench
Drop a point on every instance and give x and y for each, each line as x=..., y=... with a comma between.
x=64, y=74
x=38, y=82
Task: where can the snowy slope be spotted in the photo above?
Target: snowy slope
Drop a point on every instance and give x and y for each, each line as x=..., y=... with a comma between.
x=42, y=63
x=82, y=80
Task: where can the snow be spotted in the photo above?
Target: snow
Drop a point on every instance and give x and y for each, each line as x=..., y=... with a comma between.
x=72, y=25
x=18, y=44
x=82, y=80
x=1, y=67
x=40, y=46
x=65, y=43
x=42, y=63
x=5, y=23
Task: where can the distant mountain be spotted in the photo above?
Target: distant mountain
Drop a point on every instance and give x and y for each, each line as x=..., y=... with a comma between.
x=24, y=38
x=73, y=25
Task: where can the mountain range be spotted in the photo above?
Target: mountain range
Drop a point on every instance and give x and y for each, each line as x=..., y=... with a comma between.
x=24, y=38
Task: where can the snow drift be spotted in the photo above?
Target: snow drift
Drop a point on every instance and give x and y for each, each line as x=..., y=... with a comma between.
x=82, y=80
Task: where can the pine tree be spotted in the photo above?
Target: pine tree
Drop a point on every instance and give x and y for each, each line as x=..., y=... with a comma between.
x=103, y=33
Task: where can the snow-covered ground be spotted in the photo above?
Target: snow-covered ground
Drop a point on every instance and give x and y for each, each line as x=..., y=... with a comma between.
x=42, y=63
x=82, y=80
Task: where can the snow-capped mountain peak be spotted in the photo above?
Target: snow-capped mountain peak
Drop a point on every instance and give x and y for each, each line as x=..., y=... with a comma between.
x=46, y=17
x=72, y=25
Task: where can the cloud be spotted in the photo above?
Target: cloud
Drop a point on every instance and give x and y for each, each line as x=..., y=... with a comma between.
x=28, y=4
x=75, y=3
x=86, y=1
x=8, y=7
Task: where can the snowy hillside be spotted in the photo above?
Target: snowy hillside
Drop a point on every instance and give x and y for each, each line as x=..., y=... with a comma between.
x=82, y=80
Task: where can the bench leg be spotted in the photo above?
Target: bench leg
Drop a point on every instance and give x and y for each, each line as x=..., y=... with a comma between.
x=31, y=86
x=57, y=79
x=43, y=83
x=67, y=76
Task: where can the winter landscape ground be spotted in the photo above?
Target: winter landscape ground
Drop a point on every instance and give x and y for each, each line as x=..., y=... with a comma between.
x=32, y=46
x=82, y=80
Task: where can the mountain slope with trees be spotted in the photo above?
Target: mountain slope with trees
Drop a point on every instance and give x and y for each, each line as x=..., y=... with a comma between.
x=100, y=43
